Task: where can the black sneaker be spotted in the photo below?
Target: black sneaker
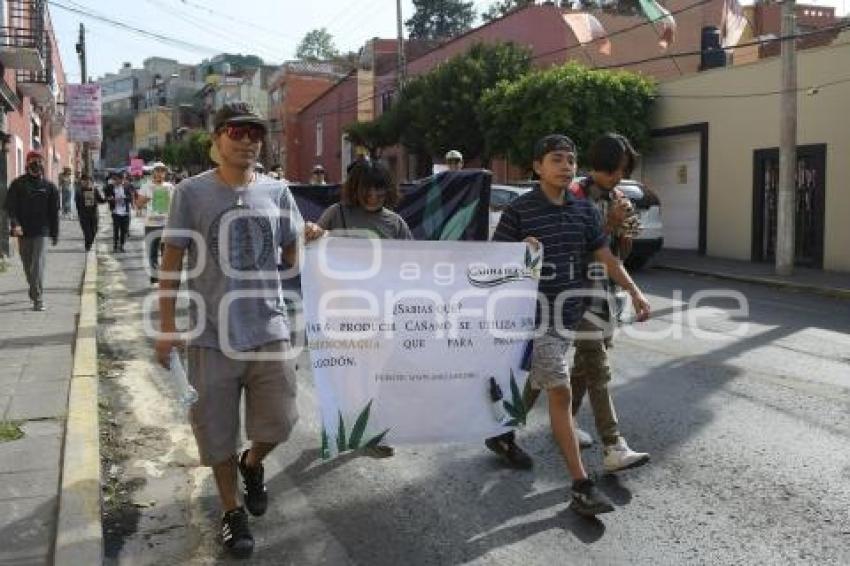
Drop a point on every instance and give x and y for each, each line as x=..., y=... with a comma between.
x=506, y=447
x=255, y=495
x=588, y=501
x=235, y=534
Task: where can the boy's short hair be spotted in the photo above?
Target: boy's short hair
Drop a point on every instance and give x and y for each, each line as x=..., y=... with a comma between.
x=606, y=154
x=553, y=142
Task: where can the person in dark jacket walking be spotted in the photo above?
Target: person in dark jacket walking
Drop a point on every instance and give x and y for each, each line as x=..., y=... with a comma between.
x=33, y=208
x=87, y=197
x=120, y=197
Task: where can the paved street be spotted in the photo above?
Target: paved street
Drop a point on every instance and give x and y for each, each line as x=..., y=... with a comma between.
x=750, y=440
x=35, y=370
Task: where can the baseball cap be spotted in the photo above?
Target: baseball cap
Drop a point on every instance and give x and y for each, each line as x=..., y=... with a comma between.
x=237, y=113
x=159, y=165
x=553, y=142
x=454, y=155
x=318, y=169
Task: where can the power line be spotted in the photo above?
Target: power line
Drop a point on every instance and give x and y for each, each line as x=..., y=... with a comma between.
x=216, y=30
x=231, y=17
x=172, y=40
x=639, y=24
x=355, y=22
x=349, y=105
x=816, y=86
x=763, y=41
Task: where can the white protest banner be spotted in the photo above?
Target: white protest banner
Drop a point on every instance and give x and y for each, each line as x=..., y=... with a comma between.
x=83, y=112
x=415, y=341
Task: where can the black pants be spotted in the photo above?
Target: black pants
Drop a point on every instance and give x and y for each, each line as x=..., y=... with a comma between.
x=88, y=223
x=154, y=242
x=120, y=228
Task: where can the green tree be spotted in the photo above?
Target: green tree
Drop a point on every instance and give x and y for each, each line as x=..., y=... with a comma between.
x=440, y=19
x=317, y=45
x=191, y=153
x=569, y=99
x=148, y=154
x=503, y=8
x=436, y=111
x=376, y=134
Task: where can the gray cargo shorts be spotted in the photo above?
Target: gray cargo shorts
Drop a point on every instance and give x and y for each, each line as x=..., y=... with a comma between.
x=270, y=408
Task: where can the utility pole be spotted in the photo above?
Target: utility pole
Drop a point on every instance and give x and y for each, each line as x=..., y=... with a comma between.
x=81, y=51
x=401, y=73
x=402, y=62
x=786, y=209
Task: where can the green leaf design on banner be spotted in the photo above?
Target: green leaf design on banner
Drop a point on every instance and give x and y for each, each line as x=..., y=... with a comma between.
x=376, y=440
x=458, y=223
x=340, y=435
x=326, y=449
x=359, y=427
x=433, y=215
x=516, y=398
x=513, y=411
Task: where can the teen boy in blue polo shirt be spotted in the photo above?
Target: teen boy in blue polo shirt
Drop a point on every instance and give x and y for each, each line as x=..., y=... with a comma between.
x=568, y=229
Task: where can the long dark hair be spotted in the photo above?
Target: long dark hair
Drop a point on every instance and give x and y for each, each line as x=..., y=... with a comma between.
x=367, y=174
x=606, y=153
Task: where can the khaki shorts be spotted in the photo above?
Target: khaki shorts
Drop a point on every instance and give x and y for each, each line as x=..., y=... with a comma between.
x=270, y=409
x=549, y=366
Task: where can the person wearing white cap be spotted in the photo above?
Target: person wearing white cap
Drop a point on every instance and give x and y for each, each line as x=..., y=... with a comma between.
x=157, y=193
x=454, y=160
x=319, y=176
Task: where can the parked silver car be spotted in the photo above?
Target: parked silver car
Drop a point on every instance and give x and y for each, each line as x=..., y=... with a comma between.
x=500, y=196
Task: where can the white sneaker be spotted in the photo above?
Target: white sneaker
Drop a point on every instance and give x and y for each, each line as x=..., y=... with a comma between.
x=620, y=457
x=584, y=439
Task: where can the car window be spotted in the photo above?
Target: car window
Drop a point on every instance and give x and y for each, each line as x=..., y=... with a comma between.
x=499, y=198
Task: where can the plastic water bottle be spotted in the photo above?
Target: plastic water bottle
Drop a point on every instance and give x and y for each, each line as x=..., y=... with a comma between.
x=496, y=403
x=186, y=393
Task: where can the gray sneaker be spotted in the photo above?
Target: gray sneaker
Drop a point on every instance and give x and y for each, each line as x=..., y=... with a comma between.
x=587, y=500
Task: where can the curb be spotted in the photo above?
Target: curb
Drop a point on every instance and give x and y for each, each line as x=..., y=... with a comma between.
x=79, y=532
x=833, y=292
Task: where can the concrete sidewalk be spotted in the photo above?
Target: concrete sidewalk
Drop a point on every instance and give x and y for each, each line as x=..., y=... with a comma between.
x=828, y=283
x=36, y=359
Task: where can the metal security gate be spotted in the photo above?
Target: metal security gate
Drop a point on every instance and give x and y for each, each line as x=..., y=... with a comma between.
x=810, y=204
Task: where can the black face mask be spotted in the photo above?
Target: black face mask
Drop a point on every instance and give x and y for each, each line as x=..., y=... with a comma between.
x=35, y=169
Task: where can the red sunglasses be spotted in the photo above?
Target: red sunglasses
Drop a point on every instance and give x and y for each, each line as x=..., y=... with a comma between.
x=254, y=132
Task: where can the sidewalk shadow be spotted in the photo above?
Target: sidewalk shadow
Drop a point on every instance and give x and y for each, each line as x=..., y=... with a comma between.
x=31, y=539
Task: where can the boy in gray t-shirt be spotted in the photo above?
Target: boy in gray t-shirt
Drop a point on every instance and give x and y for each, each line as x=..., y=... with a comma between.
x=236, y=227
